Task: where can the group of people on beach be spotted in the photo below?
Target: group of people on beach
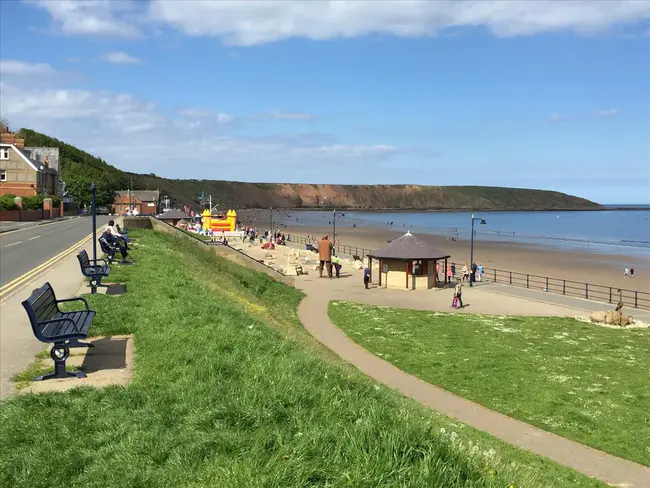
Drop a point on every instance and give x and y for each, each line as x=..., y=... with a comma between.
x=629, y=273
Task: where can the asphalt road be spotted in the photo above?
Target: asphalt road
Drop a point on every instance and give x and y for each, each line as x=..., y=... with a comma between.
x=22, y=250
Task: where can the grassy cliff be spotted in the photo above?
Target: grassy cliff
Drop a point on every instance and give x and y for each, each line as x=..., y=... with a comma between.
x=79, y=169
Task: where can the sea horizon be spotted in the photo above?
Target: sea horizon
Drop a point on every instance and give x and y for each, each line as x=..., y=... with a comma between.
x=610, y=231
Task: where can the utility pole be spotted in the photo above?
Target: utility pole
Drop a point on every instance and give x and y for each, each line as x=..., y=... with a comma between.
x=471, y=249
x=94, y=214
x=334, y=234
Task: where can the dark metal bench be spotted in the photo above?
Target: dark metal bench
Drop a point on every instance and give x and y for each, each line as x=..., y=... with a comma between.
x=62, y=329
x=92, y=270
x=111, y=246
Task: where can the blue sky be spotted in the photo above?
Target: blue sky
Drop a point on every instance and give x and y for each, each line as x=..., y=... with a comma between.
x=538, y=94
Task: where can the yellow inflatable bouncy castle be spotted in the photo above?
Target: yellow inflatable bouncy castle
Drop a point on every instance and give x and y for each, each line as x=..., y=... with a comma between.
x=219, y=224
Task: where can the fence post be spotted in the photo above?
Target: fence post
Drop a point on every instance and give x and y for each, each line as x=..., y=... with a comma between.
x=610, y=294
x=511, y=277
x=527, y=281
x=586, y=290
x=546, y=289
x=563, y=287
x=636, y=299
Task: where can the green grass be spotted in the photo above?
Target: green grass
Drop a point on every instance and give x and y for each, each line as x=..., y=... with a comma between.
x=582, y=381
x=230, y=391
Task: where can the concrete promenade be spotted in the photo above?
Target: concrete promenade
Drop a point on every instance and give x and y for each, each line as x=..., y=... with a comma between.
x=18, y=346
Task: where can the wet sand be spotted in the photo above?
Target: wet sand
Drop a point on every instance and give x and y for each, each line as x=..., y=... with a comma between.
x=581, y=266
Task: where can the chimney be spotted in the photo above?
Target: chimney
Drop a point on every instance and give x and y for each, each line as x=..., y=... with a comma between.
x=11, y=138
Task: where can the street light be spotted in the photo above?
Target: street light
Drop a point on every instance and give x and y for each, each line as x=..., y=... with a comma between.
x=471, y=251
x=334, y=234
x=271, y=231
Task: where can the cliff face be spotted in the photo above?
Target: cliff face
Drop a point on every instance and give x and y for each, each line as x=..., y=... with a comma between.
x=80, y=169
x=286, y=195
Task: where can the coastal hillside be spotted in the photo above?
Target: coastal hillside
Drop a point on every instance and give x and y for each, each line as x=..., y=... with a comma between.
x=79, y=169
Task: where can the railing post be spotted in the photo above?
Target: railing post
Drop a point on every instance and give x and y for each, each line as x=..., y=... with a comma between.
x=586, y=290
x=495, y=275
x=563, y=287
x=511, y=277
x=636, y=299
x=527, y=281
x=610, y=294
x=546, y=289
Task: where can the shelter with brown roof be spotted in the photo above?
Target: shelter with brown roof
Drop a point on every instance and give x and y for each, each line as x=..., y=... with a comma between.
x=410, y=263
x=174, y=216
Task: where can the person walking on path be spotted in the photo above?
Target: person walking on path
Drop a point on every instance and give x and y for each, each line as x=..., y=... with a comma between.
x=336, y=261
x=458, y=293
x=453, y=270
x=480, y=272
x=366, y=277
x=465, y=272
x=325, y=256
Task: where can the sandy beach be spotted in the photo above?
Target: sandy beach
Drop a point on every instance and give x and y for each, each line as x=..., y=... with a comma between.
x=590, y=267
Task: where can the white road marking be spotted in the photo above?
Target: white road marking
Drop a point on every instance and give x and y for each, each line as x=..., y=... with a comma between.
x=48, y=232
x=13, y=244
x=32, y=238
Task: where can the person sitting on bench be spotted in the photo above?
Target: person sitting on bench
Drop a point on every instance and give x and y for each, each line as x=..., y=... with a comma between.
x=114, y=243
x=115, y=232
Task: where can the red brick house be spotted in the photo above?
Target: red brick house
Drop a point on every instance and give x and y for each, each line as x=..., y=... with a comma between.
x=22, y=170
x=147, y=202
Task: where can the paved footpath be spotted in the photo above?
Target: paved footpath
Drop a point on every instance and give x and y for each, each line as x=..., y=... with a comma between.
x=18, y=346
x=313, y=314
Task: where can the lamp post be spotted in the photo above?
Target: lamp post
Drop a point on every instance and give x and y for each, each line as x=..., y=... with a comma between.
x=471, y=248
x=94, y=214
x=271, y=231
x=334, y=233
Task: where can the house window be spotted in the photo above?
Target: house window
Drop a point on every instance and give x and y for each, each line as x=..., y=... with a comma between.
x=418, y=267
x=4, y=153
x=3, y=175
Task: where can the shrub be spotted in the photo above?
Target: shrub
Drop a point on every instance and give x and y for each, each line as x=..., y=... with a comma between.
x=7, y=202
x=33, y=203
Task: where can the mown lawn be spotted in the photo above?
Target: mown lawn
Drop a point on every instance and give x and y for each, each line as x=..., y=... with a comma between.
x=579, y=380
x=230, y=391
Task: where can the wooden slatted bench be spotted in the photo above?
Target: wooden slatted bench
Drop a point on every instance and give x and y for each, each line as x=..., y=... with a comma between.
x=61, y=329
x=93, y=270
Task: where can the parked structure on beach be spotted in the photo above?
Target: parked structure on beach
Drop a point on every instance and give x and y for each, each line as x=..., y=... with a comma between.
x=409, y=263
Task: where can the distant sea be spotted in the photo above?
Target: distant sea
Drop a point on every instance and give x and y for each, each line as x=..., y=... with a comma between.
x=606, y=231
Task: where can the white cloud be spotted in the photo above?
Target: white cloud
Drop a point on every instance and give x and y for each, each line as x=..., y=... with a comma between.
x=607, y=113
x=120, y=57
x=98, y=18
x=10, y=67
x=560, y=117
x=135, y=135
x=259, y=21
x=289, y=116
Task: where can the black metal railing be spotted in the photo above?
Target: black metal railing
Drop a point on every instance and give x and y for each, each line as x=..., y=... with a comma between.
x=340, y=248
x=589, y=291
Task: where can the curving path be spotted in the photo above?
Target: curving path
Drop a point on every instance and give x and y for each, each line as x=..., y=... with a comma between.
x=313, y=314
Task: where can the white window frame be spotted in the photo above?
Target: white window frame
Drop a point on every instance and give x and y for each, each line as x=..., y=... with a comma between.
x=3, y=175
x=4, y=153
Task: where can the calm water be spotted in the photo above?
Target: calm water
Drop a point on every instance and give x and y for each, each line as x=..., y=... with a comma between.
x=623, y=231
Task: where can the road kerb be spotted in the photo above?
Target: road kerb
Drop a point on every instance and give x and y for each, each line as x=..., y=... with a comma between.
x=14, y=285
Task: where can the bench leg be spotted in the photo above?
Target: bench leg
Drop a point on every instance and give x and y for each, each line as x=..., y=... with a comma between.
x=96, y=283
x=59, y=354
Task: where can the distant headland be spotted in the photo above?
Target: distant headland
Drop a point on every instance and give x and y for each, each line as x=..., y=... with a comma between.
x=80, y=168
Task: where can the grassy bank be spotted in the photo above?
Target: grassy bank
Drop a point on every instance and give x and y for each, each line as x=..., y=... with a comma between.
x=230, y=391
x=579, y=380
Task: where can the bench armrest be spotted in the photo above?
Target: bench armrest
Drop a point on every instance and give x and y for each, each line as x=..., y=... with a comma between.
x=95, y=261
x=62, y=319
x=78, y=299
